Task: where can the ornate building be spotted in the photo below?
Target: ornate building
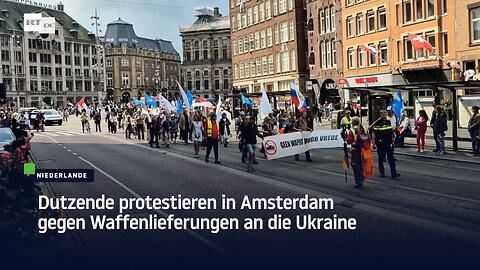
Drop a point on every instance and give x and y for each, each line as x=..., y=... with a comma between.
x=136, y=66
x=46, y=70
x=207, y=62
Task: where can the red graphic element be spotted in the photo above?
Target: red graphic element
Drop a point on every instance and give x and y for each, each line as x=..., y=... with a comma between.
x=270, y=148
x=342, y=81
x=367, y=80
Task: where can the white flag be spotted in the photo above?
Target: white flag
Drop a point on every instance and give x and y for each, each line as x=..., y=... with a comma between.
x=265, y=104
x=184, y=97
x=166, y=105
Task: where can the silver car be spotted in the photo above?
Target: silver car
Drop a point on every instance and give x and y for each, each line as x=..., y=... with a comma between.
x=51, y=116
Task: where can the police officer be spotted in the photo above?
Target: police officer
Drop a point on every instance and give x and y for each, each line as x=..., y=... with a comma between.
x=382, y=141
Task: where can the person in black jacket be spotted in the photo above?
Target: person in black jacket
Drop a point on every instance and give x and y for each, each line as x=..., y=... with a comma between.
x=224, y=126
x=250, y=133
x=439, y=121
x=154, y=131
x=97, y=119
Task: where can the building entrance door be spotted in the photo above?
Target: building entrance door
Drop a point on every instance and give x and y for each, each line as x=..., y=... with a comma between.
x=376, y=104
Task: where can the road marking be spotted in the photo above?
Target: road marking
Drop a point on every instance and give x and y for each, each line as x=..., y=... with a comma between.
x=129, y=190
x=389, y=214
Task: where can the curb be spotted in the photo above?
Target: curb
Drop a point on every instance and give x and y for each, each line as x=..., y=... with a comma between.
x=438, y=158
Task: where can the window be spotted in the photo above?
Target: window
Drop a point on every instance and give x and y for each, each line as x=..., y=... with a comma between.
x=407, y=11
x=249, y=16
x=125, y=79
x=327, y=20
x=292, y=31
x=324, y=55
x=234, y=44
x=420, y=54
x=265, y=65
x=334, y=53
x=445, y=43
x=33, y=70
x=206, y=85
x=255, y=14
x=430, y=6
x=285, y=62
x=252, y=43
x=329, y=53
x=418, y=9
x=277, y=34
x=431, y=40
x=360, y=24
x=444, y=6
x=383, y=54
x=247, y=68
x=124, y=62
x=261, y=12
x=290, y=4
x=351, y=59
x=371, y=21
x=245, y=44
x=268, y=10
x=263, y=42
x=258, y=65
x=372, y=57
x=408, y=49
x=205, y=54
x=257, y=40
x=279, y=67
x=233, y=23
x=197, y=85
x=382, y=19
x=475, y=24
x=252, y=67
x=275, y=7
x=293, y=57
x=270, y=64
x=217, y=85
x=350, y=27
x=349, y=2
x=332, y=17
x=322, y=21
x=109, y=62
x=361, y=58
x=282, y=6
x=76, y=60
x=240, y=45
x=269, y=37
x=284, y=32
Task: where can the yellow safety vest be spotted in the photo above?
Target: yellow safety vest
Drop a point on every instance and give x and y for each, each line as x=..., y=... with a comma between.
x=347, y=122
x=209, y=128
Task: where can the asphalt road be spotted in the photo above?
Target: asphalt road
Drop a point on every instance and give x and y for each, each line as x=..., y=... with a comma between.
x=430, y=212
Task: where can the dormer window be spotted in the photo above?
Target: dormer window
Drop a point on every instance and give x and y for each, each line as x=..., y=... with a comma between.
x=124, y=48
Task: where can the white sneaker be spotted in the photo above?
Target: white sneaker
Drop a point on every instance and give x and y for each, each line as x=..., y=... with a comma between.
x=418, y=150
x=422, y=151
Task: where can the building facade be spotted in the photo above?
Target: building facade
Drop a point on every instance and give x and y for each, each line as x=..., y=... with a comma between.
x=207, y=62
x=46, y=70
x=385, y=26
x=269, y=46
x=467, y=42
x=136, y=66
x=324, y=34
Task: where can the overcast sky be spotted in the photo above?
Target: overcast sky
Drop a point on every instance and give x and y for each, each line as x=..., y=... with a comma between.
x=150, y=18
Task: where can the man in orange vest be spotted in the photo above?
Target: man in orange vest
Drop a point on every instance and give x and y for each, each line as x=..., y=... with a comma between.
x=212, y=132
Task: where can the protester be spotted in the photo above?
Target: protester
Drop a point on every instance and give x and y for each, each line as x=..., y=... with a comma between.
x=185, y=125
x=224, y=129
x=474, y=130
x=154, y=131
x=439, y=120
x=301, y=125
x=212, y=133
x=392, y=118
x=267, y=130
x=84, y=118
x=403, y=130
x=435, y=133
x=421, y=127
x=165, y=129
x=346, y=123
x=359, y=139
x=97, y=119
x=250, y=133
x=382, y=141
x=140, y=125
x=173, y=128
x=197, y=133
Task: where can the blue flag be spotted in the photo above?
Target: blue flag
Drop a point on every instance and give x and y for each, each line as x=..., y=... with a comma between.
x=138, y=102
x=150, y=101
x=397, y=104
x=190, y=98
x=246, y=101
x=179, y=106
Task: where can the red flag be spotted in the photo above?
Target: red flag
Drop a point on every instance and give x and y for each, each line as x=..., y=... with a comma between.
x=419, y=43
x=81, y=104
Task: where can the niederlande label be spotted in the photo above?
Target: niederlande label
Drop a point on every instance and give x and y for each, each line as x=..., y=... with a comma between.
x=63, y=175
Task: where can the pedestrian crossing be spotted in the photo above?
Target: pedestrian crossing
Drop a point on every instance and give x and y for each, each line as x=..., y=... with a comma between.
x=60, y=133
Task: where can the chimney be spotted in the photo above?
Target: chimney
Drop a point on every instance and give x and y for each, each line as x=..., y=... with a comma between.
x=216, y=12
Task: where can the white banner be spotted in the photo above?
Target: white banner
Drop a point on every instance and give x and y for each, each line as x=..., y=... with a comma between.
x=289, y=144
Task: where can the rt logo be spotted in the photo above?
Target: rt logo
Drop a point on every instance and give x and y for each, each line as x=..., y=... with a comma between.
x=35, y=22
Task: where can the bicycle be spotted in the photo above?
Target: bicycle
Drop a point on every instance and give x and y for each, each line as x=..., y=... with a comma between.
x=87, y=127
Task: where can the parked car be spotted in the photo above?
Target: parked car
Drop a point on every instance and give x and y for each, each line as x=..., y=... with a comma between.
x=51, y=116
x=6, y=138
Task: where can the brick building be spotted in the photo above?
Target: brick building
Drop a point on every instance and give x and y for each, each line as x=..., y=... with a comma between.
x=136, y=66
x=324, y=34
x=269, y=46
x=207, y=62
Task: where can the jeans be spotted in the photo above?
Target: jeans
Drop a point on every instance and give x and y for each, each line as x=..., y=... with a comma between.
x=212, y=143
x=475, y=141
x=435, y=137
x=97, y=127
x=383, y=150
x=441, y=143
